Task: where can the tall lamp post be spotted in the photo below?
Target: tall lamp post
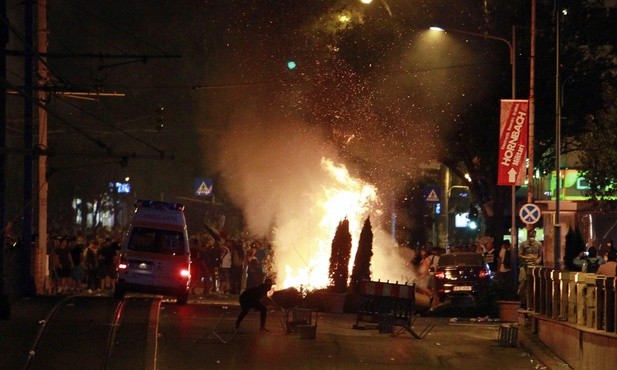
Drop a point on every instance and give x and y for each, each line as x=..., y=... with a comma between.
x=557, y=226
x=512, y=49
x=385, y=5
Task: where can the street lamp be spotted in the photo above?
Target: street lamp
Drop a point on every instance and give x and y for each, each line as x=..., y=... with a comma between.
x=385, y=5
x=511, y=48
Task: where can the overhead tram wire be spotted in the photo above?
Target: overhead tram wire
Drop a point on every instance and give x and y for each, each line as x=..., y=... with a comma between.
x=39, y=57
x=111, y=125
x=109, y=150
x=32, y=50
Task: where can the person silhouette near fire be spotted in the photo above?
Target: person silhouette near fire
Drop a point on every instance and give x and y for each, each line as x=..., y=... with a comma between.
x=252, y=298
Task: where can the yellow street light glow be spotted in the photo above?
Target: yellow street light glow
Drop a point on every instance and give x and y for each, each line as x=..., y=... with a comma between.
x=438, y=29
x=343, y=18
x=366, y=1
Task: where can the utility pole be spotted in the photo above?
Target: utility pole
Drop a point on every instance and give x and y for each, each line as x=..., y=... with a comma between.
x=5, y=306
x=557, y=225
x=25, y=279
x=41, y=264
x=532, y=100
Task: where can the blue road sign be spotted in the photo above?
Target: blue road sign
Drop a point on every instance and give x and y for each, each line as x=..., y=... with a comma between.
x=203, y=187
x=530, y=213
x=432, y=194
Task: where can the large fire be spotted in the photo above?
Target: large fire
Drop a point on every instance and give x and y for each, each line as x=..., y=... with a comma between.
x=303, y=245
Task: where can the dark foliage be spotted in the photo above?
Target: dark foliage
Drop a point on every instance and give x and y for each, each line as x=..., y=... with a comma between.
x=575, y=244
x=339, y=257
x=362, y=263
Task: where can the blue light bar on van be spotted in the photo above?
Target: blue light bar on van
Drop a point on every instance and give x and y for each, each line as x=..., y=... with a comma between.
x=158, y=205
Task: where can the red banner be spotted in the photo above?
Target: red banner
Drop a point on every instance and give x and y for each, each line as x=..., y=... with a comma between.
x=513, y=127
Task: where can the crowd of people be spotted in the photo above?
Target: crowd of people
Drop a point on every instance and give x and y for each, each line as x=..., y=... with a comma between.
x=78, y=264
x=221, y=266
x=226, y=266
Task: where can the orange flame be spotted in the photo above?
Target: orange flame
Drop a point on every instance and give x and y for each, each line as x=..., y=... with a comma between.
x=343, y=197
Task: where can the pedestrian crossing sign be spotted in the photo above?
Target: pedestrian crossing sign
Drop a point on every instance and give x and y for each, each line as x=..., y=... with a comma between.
x=432, y=194
x=203, y=187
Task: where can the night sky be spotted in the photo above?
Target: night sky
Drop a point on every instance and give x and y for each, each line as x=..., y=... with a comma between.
x=375, y=91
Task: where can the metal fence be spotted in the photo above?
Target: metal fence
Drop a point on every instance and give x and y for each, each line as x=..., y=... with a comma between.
x=578, y=298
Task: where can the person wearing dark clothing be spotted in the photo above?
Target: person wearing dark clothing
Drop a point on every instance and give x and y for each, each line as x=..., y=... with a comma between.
x=237, y=266
x=92, y=265
x=252, y=298
x=254, y=269
x=212, y=259
x=79, y=270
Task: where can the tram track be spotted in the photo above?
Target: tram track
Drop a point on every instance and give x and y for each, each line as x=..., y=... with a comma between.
x=84, y=332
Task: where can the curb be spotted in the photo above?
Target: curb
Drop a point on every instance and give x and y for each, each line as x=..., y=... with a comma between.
x=539, y=350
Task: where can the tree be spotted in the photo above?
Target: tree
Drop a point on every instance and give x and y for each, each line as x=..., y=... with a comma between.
x=598, y=158
x=339, y=257
x=362, y=263
x=574, y=245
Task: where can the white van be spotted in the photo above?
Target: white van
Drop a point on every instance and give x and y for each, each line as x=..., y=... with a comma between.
x=155, y=255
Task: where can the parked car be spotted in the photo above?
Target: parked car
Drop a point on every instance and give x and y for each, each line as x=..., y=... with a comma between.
x=461, y=274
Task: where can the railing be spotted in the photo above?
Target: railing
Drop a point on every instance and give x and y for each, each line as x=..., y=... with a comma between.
x=579, y=298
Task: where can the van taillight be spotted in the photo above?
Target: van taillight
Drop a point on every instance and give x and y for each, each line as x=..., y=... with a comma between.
x=185, y=272
x=440, y=275
x=484, y=274
x=123, y=264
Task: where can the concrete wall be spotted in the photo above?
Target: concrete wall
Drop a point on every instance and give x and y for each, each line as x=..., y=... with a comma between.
x=581, y=348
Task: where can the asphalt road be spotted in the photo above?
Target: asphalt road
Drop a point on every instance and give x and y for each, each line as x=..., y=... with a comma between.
x=199, y=335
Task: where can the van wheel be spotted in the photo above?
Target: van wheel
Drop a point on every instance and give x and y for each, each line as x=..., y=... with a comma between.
x=118, y=292
x=182, y=298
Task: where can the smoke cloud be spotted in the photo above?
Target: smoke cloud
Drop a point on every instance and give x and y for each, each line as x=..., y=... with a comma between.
x=289, y=182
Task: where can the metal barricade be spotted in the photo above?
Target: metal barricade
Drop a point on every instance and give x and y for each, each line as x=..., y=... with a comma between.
x=564, y=279
x=591, y=301
x=533, y=288
x=572, y=311
x=610, y=305
x=581, y=297
x=545, y=289
x=555, y=295
x=388, y=305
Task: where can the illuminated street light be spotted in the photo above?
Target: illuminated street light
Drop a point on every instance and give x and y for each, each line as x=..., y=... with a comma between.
x=511, y=47
x=385, y=5
x=512, y=53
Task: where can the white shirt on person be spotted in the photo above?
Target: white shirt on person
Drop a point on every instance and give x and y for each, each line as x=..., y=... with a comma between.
x=225, y=257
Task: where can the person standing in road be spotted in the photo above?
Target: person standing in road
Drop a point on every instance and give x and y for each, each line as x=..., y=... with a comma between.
x=505, y=261
x=252, y=298
x=529, y=254
x=254, y=269
x=107, y=264
x=237, y=267
x=79, y=270
x=224, y=269
x=91, y=262
x=490, y=254
x=212, y=259
x=65, y=266
x=197, y=270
